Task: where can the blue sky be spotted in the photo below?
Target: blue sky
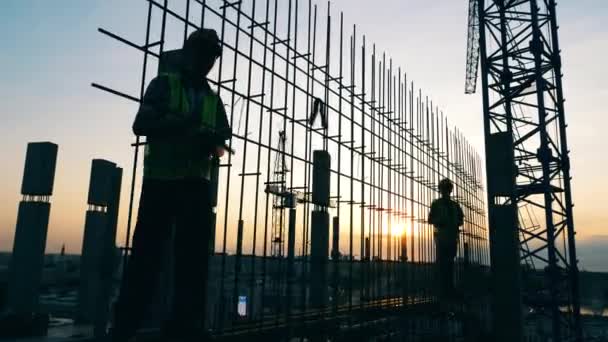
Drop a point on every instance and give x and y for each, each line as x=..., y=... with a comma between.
x=51, y=52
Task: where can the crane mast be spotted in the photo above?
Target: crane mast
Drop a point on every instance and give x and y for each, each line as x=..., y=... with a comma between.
x=281, y=196
x=528, y=166
x=472, y=48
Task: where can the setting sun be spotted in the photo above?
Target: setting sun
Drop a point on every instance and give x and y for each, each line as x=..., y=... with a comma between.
x=398, y=230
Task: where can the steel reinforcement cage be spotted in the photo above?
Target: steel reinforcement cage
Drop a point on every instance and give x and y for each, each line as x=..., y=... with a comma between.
x=282, y=65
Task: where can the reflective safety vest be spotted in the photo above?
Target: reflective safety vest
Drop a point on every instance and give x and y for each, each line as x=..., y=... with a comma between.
x=182, y=157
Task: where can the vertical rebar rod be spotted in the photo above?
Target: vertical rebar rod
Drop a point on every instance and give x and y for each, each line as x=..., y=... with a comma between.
x=307, y=154
x=339, y=177
x=223, y=263
x=136, y=149
x=229, y=167
x=268, y=204
x=352, y=185
x=284, y=107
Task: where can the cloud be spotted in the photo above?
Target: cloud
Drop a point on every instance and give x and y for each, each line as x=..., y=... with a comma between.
x=593, y=253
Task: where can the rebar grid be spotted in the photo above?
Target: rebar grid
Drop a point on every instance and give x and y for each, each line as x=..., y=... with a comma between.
x=390, y=146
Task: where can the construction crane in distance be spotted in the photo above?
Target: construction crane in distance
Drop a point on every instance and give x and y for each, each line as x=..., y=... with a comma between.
x=283, y=198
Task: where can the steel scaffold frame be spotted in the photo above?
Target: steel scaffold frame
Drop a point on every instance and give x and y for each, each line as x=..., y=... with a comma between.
x=523, y=96
x=389, y=144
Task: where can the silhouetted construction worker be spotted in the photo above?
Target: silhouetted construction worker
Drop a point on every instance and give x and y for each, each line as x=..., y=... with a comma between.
x=447, y=216
x=186, y=129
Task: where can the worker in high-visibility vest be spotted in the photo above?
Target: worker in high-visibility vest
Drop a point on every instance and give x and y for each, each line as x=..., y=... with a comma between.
x=446, y=216
x=186, y=129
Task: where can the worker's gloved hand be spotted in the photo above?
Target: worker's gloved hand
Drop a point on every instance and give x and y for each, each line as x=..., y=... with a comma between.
x=219, y=151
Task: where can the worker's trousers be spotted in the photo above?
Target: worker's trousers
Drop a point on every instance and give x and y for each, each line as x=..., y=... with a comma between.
x=187, y=204
x=446, y=252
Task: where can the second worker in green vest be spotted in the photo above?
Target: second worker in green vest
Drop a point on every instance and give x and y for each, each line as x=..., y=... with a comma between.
x=186, y=130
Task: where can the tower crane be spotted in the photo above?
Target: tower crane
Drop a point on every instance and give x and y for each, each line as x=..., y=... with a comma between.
x=515, y=45
x=282, y=198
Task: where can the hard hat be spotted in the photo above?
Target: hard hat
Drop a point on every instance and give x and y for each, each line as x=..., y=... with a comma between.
x=446, y=183
x=204, y=40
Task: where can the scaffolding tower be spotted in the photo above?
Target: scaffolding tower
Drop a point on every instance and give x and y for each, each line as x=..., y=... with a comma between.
x=527, y=159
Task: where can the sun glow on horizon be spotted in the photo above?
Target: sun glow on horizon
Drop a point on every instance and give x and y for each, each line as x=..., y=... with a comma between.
x=403, y=229
x=398, y=230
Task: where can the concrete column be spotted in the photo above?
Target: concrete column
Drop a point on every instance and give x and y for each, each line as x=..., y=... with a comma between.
x=291, y=237
x=239, y=245
x=335, y=256
x=110, y=255
x=367, y=267
x=504, y=246
x=29, y=245
x=319, y=244
x=504, y=238
x=335, y=241
x=319, y=255
x=403, y=243
x=321, y=173
x=98, y=256
x=291, y=253
x=467, y=254
x=90, y=260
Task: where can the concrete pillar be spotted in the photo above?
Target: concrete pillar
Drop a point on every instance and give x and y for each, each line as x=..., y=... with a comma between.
x=90, y=259
x=504, y=246
x=367, y=267
x=319, y=255
x=29, y=245
x=319, y=244
x=335, y=256
x=321, y=173
x=239, y=245
x=291, y=253
x=504, y=239
x=291, y=237
x=110, y=255
x=335, y=241
x=98, y=256
x=467, y=254
x=403, y=243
